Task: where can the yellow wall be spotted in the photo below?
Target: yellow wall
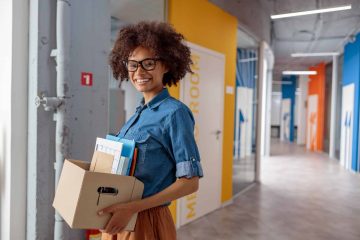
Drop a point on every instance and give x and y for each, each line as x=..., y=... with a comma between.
x=207, y=25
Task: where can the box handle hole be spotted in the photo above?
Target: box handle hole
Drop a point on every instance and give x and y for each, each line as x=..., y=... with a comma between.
x=107, y=190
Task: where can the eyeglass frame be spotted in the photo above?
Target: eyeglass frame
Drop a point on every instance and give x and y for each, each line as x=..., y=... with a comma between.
x=141, y=64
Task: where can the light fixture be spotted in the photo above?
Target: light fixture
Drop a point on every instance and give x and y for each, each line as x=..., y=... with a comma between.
x=299, y=72
x=323, y=10
x=282, y=82
x=319, y=54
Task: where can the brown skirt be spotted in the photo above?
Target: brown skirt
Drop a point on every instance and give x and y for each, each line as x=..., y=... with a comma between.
x=152, y=224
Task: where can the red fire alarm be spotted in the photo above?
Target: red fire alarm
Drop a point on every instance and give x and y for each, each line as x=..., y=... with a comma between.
x=86, y=79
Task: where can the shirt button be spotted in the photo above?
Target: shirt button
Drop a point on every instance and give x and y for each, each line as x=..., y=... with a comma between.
x=192, y=159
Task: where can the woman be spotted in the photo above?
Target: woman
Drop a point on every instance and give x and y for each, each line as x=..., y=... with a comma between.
x=152, y=55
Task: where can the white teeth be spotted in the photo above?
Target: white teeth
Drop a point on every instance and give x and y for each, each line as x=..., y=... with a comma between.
x=142, y=80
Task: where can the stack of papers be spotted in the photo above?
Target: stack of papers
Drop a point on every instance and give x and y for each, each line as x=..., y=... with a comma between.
x=123, y=152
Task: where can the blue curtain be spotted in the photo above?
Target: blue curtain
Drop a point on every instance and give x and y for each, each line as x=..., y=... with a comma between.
x=245, y=77
x=246, y=68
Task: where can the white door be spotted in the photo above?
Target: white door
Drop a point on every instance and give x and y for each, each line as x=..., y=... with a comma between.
x=312, y=122
x=244, y=103
x=203, y=92
x=347, y=125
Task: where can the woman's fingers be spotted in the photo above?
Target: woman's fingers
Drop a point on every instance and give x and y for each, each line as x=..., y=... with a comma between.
x=109, y=209
x=117, y=230
x=113, y=228
x=109, y=226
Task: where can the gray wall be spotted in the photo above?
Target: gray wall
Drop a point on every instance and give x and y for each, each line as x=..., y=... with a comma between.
x=41, y=133
x=328, y=87
x=338, y=107
x=87, y=106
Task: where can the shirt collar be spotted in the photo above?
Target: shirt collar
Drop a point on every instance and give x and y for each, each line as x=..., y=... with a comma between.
x=156, y=101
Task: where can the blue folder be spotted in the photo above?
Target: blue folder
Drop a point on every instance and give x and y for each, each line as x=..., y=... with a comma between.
x=127, y=149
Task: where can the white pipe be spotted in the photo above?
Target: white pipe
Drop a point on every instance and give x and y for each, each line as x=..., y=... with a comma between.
x=266, y=63
x=268, y=111
x=63, y=31
x=333, y=108
x=260, y=115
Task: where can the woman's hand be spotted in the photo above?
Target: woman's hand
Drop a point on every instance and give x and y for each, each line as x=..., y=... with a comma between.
x=122, y=212
x=121, y=215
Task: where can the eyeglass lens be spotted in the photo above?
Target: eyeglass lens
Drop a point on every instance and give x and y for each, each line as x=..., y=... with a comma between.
x=147, y=64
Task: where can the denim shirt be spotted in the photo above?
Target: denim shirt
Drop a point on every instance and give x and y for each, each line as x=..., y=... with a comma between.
x=163, y=131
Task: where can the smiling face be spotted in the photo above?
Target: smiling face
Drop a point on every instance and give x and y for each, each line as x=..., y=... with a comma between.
x=148, y=82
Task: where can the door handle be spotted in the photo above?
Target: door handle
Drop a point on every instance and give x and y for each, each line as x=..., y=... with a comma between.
x=217, y=133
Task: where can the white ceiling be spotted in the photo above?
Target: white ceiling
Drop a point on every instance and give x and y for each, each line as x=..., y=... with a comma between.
x=327, y=32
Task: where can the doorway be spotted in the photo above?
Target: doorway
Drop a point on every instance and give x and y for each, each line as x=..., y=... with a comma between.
x=245, y=112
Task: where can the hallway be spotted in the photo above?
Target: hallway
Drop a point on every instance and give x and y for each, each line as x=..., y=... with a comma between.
x=302, y=196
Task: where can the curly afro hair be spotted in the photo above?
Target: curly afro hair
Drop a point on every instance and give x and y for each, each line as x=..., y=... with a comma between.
x=159, y=37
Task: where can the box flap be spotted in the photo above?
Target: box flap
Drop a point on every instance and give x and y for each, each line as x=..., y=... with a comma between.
x=68, y=190
x=82, y=164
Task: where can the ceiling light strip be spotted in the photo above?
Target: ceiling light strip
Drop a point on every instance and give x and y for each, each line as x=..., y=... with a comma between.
x=323, y=10
x=299, y=72
x=319, y=54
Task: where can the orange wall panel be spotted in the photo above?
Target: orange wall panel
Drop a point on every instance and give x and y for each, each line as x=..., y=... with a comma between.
x=317, y=87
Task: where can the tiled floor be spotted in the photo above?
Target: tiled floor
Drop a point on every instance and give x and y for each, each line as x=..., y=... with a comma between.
x=302, y=196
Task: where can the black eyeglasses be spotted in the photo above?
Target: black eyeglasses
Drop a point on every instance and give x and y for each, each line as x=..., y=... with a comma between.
x=147, y=64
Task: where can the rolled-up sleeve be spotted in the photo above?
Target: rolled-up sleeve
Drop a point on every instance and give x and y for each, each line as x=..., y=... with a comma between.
x=183, y=144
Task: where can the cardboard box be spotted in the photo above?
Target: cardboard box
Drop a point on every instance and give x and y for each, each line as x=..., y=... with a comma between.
x=78, y=200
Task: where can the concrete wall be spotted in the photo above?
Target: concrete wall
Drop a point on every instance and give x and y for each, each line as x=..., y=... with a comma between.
x=41, y=135
x=253, y=16
x=303, y=92
x=87, y=106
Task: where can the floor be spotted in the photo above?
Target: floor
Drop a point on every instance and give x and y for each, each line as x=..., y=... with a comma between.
x=302, y=196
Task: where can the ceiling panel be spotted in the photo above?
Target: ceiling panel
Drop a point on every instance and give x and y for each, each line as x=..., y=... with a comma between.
x=287, y=28
x=327, y=32
x=286, y=6
x=132, y=11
